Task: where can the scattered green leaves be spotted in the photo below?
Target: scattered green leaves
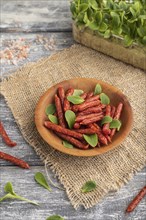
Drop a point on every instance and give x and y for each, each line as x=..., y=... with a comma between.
x=97, y=89
x=126, y=19
x=12, y=195
x=55, y=217
x=67, y=144
x=115, y=124
x=92, y=139
x=53, y=119
x=106, y=119
x=104, y=99
x=40, y=179
x=75, y=99
x=50, y=109
x=78, y=92
x=88, y=186
x=70, y=118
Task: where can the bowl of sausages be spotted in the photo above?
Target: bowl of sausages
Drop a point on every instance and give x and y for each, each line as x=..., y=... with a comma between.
x=83, y=117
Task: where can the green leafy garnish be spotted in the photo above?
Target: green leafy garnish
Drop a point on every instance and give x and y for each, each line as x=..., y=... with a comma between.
x=123, y=19
x=78, y=92
x=75, y=99
x=12, y=195
x=88, y=186
x=50, y=109
x=104, y=99
x=67, y=144
x=39, y=178
x=97, y=89
x=106, y=119
x=55, y=217
x=70, y=118
x=115, y=124
x=92, y=139
x=53, y=119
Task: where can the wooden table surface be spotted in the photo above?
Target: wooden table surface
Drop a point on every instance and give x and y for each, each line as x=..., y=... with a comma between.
x=27, y=19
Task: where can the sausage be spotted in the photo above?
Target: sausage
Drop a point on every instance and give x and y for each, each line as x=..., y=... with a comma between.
x=5, y=136
x=69, y=92
x=61, y=95
x=84, y=95
x=73, y=141
x=136, y=200
x=93, y=98
x=89, y=94
x=59, y=111
x=101, y=137
x=117, y=115
x=86, y=131
x=83, y=117
x=106, y=130
x=118, y=111
x=113, y=109
x=14, y=160
x=91, y=120
x=62, y=130
x=95, y=109
x=85, y=105
x=76, y=125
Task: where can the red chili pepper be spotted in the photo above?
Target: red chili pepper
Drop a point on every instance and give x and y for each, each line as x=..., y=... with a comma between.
x=5, y=136
x=14, y=160
x=136, y=200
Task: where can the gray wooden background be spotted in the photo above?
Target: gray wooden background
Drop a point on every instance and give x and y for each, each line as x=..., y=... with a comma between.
x=27, y=19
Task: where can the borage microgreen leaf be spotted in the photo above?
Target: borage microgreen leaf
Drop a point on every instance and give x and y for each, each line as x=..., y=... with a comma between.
x=70, y=118
x=115, y=124
x=88, y=186
x=50, y=109
x=78, y=92
x=55, y=217
x=104, y=99
x=106, y=119
x=53, y=119
x=75, y=99
x=39, y=178
x=97, y=89
x=67, y=144
x=92, y=139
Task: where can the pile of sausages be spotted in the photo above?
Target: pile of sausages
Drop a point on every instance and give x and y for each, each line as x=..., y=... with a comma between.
x=88, y=118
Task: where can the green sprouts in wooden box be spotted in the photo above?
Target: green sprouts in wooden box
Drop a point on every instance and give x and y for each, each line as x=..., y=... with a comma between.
x=124, y=19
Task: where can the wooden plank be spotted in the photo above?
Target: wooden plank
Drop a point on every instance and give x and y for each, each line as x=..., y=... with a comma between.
x=37, y=50
x=112, y=207
x=35, y=16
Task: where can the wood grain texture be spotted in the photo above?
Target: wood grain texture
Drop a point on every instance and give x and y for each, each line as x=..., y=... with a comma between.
x=35, y=16
x=47, y=17
x=37, y=50
x=56, y=202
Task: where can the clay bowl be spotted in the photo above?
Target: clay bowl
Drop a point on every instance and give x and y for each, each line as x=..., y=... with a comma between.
x=87, y=85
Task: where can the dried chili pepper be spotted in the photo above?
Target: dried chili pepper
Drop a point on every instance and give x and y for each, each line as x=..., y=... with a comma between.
x=14, y=160
x=5, y=136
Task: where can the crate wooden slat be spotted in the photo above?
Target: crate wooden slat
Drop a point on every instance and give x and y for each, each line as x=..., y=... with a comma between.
x=135, y=55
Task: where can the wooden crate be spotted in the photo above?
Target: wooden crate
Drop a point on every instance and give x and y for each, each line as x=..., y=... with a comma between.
x=113, y=47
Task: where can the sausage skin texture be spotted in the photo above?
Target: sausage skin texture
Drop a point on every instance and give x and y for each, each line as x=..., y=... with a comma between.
x=101, y=137
x=136, y=200
x=117, y=115
x=106, y=130
x=59, y=111
x=83, y=117
x=85, y=105
x=67, y=106
x=14, y=160
x=5, y=136
x=73, y=141
x=62, y=130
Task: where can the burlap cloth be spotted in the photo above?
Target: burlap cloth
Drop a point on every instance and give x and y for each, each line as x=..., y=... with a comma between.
x=23, y=89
